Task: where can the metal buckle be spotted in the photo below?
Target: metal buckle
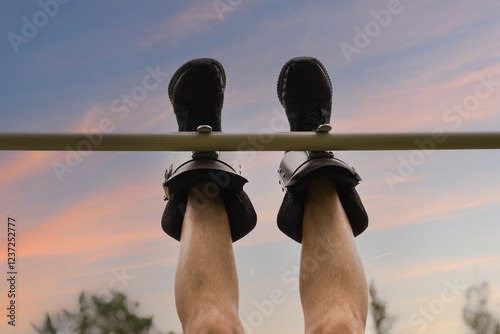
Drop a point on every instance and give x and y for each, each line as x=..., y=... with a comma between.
x=168, y=173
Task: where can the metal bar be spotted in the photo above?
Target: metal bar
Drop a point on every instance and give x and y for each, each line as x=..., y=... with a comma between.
x=289, y=141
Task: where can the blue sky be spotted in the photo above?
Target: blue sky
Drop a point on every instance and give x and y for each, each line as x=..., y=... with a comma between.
x=433, y=216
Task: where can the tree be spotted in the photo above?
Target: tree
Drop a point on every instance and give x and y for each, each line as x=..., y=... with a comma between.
x=475, y=312
x=383, y=322
x=97, y=315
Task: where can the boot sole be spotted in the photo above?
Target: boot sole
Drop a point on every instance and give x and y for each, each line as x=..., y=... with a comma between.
x=192, y=64
x=284, y=70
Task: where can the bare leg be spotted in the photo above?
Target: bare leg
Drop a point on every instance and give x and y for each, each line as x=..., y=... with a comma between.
x=206, y=283
x=333, y=286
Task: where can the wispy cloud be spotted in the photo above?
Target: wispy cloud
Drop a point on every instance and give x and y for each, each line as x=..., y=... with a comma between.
x=423, y=269
x=24, y=165
x=73, y=230
x=91, y=119
x=426, y=102
x=194, y=18
x=390, y=211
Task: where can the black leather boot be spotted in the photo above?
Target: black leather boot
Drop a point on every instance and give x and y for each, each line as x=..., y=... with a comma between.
x=305, y=91
x=197, y=93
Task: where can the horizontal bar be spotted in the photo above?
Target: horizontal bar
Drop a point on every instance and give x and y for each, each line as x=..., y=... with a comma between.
x=216, y=141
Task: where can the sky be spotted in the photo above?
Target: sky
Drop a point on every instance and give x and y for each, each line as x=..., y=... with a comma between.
x=396, y=66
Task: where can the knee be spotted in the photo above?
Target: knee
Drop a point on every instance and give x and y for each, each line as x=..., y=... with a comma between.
x=214, y=323
x=216, y=327
x=339, y=325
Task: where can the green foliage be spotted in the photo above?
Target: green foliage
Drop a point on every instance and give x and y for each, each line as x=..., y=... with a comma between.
x=47, y=328
x=98, y=315
x=378, y=307
x=475, y=312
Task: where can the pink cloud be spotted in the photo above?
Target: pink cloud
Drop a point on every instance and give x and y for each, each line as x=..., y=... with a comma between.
x=196, y=18
x=73, y=248
x=417, y=104
x=388, y=211
x=95, y=224
x=193, y=19
x=441, y=265
x=91, y=119
x=409, y=30
x=29, y=164
x=22, y=165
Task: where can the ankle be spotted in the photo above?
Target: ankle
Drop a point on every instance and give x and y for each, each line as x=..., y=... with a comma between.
x=321, y=186
x=203, y=194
